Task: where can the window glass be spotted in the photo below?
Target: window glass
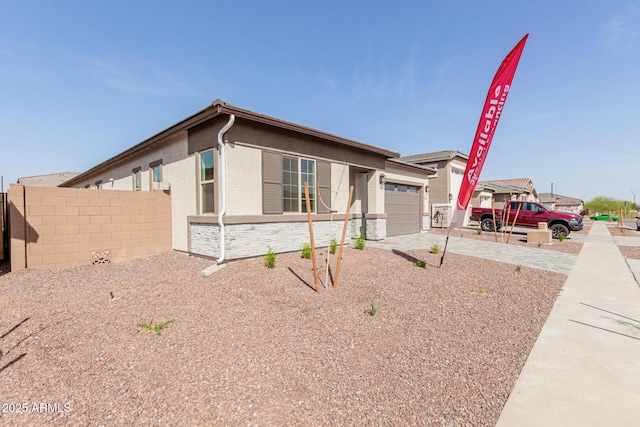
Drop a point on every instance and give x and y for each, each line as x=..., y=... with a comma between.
x=389, y=187
x=207, y=182
x=206, y=165
x=156, y=173
x=207, y=198
x=136, y=180
x=290, y=184
x=295, y=172
x=308, y=176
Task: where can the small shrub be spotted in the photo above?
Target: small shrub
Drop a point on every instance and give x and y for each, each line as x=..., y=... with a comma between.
x=420, y=263
x=157, y=327
x=481, y=290
x=270, y=258
x=435, y=248
x=305, y=252
x=518, y=267
x=333, y=245
x=373, y=309
x=479, y=231
x=360, y=242
x=561, y=237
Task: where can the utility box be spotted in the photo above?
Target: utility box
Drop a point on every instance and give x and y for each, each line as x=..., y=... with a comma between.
x=540, y=237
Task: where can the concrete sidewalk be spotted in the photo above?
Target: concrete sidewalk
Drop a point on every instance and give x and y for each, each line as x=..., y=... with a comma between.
x=584, y=369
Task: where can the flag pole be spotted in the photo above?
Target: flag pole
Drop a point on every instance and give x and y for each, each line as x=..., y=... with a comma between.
x=446, y=242
x=491, y=113
x=452, y=224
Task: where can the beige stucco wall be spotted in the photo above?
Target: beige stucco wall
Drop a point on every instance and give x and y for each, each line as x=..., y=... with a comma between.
x=375, y=194
x=339, y=187
x=244, y=180
x=181, y=174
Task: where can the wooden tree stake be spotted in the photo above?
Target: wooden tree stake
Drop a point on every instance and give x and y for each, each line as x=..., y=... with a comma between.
x=313, y=246
x=514, y=222
x=344, y=233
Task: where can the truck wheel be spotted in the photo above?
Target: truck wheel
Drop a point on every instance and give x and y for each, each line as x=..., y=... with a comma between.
x=486, y=224
x=558, y=229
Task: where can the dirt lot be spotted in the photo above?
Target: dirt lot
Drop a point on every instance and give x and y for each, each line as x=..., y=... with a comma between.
x=253, y=346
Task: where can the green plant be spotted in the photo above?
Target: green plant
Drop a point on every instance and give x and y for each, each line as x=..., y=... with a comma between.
x=479, y=231
x=150, y=327
x=481, y=290
x=518, y=267
x=562, y=237
x=373, y=309
x=333, y=245
x=305, y=252
x=419, y=263
x=270, y=258
x=435, y=248
x=360, y=242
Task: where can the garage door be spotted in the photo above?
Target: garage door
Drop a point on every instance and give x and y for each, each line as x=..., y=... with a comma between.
x=402, y=205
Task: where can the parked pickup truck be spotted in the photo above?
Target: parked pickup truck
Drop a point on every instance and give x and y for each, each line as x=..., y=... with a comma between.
x=530, y=214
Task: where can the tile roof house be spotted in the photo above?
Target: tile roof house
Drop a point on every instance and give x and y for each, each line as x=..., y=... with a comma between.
x=562, y=203
x=236, y=180
x=48, y=180
x=502, y=190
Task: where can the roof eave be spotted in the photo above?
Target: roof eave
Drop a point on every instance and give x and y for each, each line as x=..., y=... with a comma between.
x=272, y=121
x=194, y=119
x=221, y=107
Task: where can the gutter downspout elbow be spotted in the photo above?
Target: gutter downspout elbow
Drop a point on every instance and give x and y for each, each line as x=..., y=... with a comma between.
x=223, y=185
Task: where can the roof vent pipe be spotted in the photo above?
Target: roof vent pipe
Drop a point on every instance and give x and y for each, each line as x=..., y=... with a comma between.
x=223, y=185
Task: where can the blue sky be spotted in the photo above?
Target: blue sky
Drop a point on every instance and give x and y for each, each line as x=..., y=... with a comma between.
x=82, y=81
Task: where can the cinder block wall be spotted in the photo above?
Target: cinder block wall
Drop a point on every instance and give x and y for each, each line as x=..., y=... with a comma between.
x=66, y=227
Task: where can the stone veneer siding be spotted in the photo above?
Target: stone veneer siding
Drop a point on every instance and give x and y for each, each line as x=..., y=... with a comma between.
x=426, y=222
x=374, y=228
x=250, y=240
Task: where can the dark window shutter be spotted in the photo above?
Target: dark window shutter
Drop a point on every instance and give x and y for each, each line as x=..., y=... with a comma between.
x=323, y=170
x=271, y=183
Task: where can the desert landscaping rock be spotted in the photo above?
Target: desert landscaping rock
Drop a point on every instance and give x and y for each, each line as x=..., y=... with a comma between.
x=253, y=346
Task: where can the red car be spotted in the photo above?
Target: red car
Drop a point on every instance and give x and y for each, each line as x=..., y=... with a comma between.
x=529, y=214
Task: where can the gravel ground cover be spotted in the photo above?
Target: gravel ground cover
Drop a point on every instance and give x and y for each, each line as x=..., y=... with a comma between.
x=630, y=252
x=254, y=346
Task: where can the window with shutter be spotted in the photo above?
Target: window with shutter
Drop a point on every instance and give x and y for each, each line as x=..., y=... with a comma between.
x=271, y=183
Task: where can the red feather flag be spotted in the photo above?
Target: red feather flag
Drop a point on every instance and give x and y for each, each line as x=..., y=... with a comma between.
x=489, y=118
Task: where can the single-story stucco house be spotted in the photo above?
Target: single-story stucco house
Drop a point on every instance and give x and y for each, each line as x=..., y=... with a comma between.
x=237, y=177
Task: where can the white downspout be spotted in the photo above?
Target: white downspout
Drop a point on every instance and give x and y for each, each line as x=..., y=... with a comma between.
x=223, y=185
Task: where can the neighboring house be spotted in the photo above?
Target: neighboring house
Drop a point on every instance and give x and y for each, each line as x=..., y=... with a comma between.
x=238, y=177
x=562, y=203
x=49, y=180
x=500, y=191
x=445, y=186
